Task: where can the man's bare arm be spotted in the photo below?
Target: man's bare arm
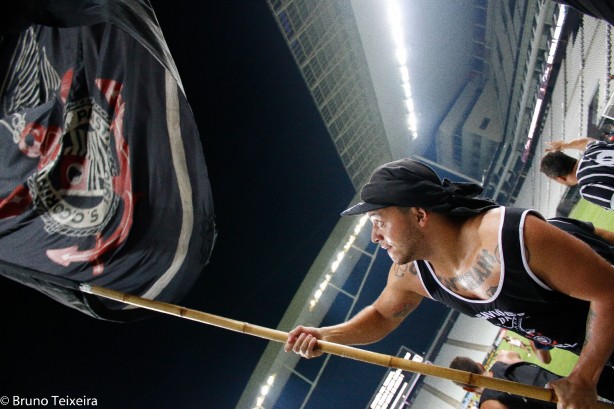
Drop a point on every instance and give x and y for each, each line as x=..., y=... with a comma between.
x=370, y=325
x=509, y=357
x=578, y=144
x=571, y=267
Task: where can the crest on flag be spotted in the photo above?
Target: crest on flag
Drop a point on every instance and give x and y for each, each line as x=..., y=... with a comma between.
x=104, y=179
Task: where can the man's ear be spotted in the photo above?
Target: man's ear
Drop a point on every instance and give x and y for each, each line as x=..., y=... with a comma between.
x=420, y=214
x=561, y=179
x=567, y=180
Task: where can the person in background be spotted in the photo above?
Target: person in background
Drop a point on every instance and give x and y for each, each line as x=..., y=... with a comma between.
x=593, y=173
x=509, y=366
x=515, y=342
x=542, y=352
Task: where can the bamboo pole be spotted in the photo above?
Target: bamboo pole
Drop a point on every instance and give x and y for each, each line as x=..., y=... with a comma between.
x=389, y=361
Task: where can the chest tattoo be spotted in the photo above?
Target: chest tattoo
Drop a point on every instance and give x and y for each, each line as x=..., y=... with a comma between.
x=473, y=278
x=400, y=270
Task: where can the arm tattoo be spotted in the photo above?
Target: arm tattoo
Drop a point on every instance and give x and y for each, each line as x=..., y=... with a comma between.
x=590, y=318
x=403, y=310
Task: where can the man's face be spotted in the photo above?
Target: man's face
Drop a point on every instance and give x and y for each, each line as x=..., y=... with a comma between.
x=397, y=232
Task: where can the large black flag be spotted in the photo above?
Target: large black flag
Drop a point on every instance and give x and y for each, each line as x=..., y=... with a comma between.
x=102, y=173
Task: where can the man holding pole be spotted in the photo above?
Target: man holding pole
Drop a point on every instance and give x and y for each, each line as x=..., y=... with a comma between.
x=506, y=265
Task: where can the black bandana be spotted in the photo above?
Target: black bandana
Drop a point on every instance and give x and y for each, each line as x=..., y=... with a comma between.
x=410, y=183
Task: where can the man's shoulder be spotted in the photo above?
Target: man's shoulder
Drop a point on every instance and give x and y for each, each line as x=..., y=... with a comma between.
x=490, y=216
x=492, y=404
x=491, y=399
x=493, y=216
x=597, y=142
x=597, y=146
x=507, y=357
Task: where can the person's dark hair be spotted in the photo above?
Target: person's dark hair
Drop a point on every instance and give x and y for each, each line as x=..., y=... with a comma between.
x=468, y=365
x=555, y=164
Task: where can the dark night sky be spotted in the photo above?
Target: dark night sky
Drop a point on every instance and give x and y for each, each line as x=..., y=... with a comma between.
x=278, y=187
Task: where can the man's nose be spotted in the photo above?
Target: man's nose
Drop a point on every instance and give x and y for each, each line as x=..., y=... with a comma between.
x=375, y=236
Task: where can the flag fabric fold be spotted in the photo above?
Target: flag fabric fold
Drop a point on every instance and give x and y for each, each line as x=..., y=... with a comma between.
x=103, y=177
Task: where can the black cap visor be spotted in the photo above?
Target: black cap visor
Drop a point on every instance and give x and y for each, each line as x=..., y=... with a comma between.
x=362, y=207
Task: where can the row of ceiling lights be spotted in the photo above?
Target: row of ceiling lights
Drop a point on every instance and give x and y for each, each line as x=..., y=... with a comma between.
x=554, y=42
x=264, y=390
x=335, y=264
x=398, y=37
